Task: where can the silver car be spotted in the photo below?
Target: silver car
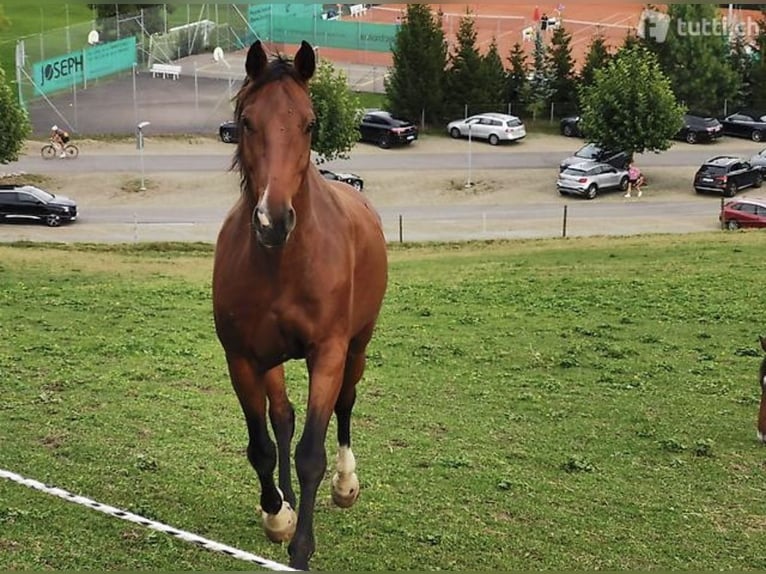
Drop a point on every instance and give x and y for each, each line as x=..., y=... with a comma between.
x=491, y=127
x=590, y=178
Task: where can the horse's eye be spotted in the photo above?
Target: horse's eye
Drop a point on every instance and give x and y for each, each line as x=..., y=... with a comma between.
x=246, y=124
x=310, y=127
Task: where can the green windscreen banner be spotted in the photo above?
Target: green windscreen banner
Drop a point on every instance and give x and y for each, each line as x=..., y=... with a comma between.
x=292, y=23
x=91, y=63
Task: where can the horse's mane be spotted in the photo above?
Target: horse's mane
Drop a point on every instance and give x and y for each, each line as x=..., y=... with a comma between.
x=278, y=68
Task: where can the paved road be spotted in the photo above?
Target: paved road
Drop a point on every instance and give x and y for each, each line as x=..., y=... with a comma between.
x=398, y=159
x=442, y=222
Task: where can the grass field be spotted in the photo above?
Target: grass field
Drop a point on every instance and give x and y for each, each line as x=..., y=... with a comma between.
x=553, y=404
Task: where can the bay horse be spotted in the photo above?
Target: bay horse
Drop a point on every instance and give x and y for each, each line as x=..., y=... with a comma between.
x=762, y=381
x=300, y=272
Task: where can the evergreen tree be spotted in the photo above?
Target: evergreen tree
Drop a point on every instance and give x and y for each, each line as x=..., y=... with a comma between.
x=465, y=76
x=631, y=41
x=417, y=79
x=598, y=57
x=758, y=73
x=14, y=123
x=562, y=67
x=517, y=74
x=742, y=63
x=631, y=106
x=698, y=65
x=495, y=76
x=537, y=91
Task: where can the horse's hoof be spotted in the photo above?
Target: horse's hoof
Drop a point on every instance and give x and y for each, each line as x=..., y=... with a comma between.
x=345, y=489
x=280, y=527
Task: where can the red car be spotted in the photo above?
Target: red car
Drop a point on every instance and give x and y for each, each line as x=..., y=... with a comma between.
x=744, y=212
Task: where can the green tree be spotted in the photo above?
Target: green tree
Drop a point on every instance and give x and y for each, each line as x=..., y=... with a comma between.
x=130, y=18
x=598, y=57
x=562, y=67
x=465, y=76
x=698, y=64
x=538, y=89
x=337, y=110
x=631, y=106
x=495, y=76
x=742, y=63
x=14, y=123
x=757, y=70
x=631, y=41
x=417, y=79
x=5, y=23
x=517, y=74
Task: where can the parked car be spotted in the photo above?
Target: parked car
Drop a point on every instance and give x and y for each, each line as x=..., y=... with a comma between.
x=490, y=126
x=592, y=152
x=727, y=175
x=350, y=178
x=570, y=127
x=759, y=161
x=589, y=178
x=30, y=202
x=745, y=125
x=744, y=212
x=228, y=131
x=385, y=130
x=699, y=128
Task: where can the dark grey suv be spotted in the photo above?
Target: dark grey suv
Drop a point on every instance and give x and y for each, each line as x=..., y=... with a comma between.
x=592, y=152
x=30, y=202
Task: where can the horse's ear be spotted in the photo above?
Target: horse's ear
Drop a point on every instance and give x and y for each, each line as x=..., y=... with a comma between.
x=256, y=60
x=305, y=61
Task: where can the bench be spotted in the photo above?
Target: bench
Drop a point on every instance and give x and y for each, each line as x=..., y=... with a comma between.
x=165, y=70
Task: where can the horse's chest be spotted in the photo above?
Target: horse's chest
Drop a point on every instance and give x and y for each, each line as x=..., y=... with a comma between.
x=270, y=331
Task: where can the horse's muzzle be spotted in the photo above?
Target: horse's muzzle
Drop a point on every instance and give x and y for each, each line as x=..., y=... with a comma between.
x=273, y=231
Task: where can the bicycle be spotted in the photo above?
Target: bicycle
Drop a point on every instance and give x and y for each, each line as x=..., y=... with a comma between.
x=50, y=151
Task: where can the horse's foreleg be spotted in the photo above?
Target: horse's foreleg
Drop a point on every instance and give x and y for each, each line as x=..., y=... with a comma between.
x=278, y=516
x=325, y=366
x=345, y=483
x=282, y=417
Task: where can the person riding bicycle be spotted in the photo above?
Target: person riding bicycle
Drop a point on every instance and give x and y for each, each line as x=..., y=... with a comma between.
x=59, y=138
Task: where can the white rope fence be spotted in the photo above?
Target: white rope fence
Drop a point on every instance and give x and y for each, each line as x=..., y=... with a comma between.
x=136, y=519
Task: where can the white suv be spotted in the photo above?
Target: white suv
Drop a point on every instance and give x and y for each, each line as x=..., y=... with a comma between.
x=491, y=127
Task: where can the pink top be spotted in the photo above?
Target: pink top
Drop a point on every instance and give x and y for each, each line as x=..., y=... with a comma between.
x=634, y=172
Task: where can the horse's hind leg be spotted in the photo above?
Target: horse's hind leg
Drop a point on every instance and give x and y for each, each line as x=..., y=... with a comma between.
x=279, y=519
x=345, y=483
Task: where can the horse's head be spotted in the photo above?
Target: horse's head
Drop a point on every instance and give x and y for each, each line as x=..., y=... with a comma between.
x=276, y=120
x=762, y=411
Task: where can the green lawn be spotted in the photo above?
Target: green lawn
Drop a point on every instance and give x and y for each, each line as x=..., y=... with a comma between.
x=31, y=18
x=549, y=404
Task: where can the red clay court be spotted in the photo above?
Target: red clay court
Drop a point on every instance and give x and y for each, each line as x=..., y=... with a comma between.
x=506, y=22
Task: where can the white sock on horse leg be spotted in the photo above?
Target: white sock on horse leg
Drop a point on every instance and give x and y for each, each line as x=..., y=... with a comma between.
x=345, y=483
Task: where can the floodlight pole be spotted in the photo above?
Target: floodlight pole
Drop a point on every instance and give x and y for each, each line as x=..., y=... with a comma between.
x=469, y=183
x=140, y=144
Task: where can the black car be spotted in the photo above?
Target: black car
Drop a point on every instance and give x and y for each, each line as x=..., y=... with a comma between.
x=699, y=128
x=592, y=152
x=727, y=175
x=570, y=127
x=745, y=125
x=228, y=132
x=759, y=161
x=382, y=128
x=350, y=178
x=30, y=202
